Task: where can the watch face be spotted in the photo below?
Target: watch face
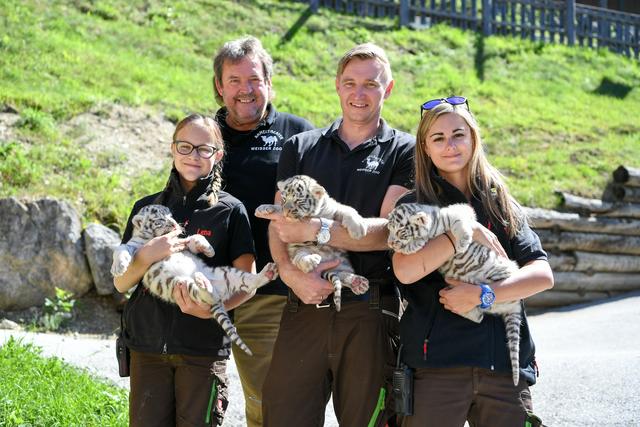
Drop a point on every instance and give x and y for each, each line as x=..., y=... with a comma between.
x=487, y=298
x=323, y=236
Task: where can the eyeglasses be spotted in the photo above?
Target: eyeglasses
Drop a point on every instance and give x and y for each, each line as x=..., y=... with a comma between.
x=204, y=151
x=453, y=100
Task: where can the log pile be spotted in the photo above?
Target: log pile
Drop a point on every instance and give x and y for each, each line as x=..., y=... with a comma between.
x=594, y=250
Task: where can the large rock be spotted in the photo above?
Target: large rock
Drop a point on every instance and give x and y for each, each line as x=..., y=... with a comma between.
x=99, y=242
x=41, y=248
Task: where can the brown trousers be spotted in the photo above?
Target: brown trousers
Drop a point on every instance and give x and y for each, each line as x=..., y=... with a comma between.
x=176, y=390
x=319, y=352
x=446, y=397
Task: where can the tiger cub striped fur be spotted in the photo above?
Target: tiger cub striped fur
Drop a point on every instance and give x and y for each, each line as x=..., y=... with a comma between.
x=302, y=198
x=212, y=286
x=412, y=225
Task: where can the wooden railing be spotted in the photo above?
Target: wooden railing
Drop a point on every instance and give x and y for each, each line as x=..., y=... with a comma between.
x=560, y=21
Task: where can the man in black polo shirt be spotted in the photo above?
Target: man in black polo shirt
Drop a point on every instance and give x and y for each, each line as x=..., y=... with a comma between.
x=253, y=132
x=364, y=163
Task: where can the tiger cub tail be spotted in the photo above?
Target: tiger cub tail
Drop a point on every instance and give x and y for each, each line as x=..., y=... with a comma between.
x=334, y=278
x=220, y=315
x=512, y=327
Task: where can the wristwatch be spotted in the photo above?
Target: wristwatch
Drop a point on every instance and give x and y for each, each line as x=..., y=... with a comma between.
x=487, y=296
x=324, y=235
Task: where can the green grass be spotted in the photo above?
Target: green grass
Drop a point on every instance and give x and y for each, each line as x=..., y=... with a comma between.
x=554, y=117
x=38, y=391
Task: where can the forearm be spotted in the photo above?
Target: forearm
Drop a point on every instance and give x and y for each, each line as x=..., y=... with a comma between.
x=532, y=278
x=411, y=268
x=374, y=240
x=132, y=275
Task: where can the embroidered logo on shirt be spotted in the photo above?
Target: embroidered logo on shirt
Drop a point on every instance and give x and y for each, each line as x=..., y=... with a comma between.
x=371, y=165
x=269, y=140
x=206, y=233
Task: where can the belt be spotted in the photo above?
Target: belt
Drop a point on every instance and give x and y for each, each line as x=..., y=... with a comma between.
x=372, y=295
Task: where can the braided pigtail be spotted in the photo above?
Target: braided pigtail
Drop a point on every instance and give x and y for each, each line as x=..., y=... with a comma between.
x=213, y=190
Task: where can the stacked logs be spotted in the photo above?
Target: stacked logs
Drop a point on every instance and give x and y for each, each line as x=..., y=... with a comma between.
x=595, y=251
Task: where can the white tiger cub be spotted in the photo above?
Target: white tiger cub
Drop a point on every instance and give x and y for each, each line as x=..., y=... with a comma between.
x=205, y=284
x=412, y=225
x=303, y=197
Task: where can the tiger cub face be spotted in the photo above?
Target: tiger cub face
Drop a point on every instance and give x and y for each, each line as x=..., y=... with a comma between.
x=302, y=197
x=152, y=221
x=409, y=226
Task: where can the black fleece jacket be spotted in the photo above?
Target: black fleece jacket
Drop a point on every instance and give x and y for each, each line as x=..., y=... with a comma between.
x=435, y=337
x=154, y=326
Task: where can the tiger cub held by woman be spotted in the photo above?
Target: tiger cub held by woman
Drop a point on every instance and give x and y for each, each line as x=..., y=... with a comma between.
x=412, y=225
x=304, y=198
x=212, y=286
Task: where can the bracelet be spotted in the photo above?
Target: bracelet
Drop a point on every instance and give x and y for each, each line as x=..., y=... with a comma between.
x=451, y=240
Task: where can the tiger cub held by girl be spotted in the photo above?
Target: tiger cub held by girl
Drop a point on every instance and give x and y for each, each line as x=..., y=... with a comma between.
x=412, y=225
x=212, y=286
x=304, y=198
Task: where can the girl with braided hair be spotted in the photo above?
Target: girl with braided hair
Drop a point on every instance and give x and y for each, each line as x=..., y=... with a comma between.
x=178, y=354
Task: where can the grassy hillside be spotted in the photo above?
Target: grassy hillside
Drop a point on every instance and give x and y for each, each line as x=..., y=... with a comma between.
x=554, y=118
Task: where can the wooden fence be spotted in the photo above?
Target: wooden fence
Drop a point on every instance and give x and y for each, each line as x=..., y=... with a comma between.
x=561, y=21
x=594, y=251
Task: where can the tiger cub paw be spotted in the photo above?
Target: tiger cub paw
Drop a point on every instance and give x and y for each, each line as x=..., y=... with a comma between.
x=270, y=271
x=359, y=284
x=198, y=244
x=307, y=263
x=356, y=228
x=120, y=263
x=267, y=209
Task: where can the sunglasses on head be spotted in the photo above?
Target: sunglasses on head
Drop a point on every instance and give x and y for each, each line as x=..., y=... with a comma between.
x=453, y=100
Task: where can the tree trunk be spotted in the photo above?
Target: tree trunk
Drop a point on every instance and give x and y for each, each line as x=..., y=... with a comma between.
x=590, y=263
x=626, y=175
x=589, y=206
x=598, y=282
x=544, y=218
x=589, y=242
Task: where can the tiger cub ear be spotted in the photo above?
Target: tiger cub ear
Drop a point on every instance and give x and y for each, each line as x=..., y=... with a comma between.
x=281, y=185
x=419, y=218
x=137, y=221
x=318, y=191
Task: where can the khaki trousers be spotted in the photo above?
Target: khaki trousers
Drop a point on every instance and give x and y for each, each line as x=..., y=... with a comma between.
x=257, y=321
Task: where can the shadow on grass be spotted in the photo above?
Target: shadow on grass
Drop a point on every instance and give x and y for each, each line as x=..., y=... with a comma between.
x=290, y=34
x=479, y=57
x=613, y=89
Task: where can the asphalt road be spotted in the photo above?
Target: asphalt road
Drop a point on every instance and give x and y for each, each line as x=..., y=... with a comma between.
x=589, y=358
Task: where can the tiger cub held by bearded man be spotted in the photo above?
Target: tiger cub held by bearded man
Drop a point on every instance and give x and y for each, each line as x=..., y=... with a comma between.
x=303, y=198
x=412, y=225
x=212, y=286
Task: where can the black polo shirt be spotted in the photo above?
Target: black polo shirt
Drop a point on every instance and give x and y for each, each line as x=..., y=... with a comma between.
x=358, y=178
x=249, y=172
x=453, y=340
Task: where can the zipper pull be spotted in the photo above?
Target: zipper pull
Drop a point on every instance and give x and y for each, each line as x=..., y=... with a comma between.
x=164, y=348
x=424, y=348
x=184, y=200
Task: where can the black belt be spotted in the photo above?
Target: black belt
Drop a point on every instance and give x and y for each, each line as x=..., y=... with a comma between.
x=372, y=295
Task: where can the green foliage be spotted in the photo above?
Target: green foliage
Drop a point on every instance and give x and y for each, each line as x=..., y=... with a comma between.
x=38, y=391
x=553, y=117
x=57, y=310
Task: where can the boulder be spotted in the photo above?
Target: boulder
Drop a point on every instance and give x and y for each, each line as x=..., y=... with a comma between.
x=99, y=242
x=41, y=248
